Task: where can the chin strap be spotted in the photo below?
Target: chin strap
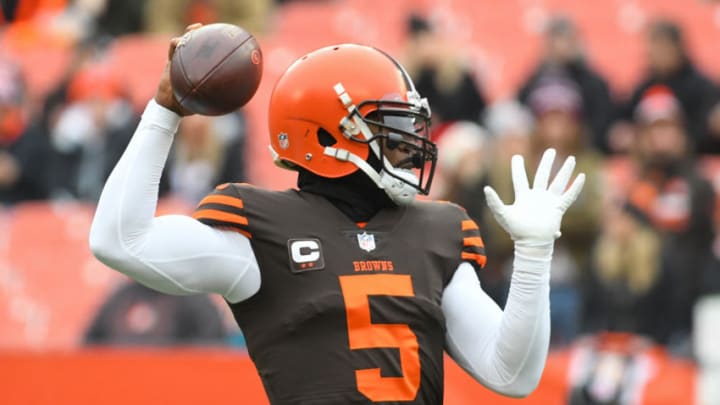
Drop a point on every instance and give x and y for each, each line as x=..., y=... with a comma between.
x=399, y=191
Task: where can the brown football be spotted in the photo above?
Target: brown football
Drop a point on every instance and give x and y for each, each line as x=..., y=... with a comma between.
x=216, y=69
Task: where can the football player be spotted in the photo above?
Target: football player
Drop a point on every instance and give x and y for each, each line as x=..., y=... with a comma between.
x=347, y=289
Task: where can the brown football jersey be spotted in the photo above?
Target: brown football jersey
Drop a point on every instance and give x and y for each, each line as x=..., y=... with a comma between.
x=347, y=313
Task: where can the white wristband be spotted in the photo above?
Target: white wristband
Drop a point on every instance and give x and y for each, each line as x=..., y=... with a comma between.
x=533, y=258
x=160, y=117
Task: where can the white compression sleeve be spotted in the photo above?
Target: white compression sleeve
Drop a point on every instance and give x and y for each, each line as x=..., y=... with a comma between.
x=173, y=254
x=504, y=350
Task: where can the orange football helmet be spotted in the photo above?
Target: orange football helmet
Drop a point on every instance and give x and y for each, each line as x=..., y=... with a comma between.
x=335, y=106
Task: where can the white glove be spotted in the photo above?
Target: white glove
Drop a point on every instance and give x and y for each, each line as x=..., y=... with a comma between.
x=535, y=216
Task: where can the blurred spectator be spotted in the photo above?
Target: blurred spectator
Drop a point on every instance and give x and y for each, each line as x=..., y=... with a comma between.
x=24, y=148
x=624, y=289
x=204, y=157
x=40, y=23
x=564, y=57
x=83, y=54
x=464, y=151
x=623, y=368
x=90, y=133
x=511, y=123
x=714, y=120
x=670, y=65
x=441, y=75
x=119, y=17
x=677, y=200
x=76, y=20
x=557, y=104
x=172, y=16
x=24, y=10
x=136, y=315
x=232, y=131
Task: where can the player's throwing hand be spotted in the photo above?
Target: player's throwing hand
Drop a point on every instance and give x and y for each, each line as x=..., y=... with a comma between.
x=164, y=95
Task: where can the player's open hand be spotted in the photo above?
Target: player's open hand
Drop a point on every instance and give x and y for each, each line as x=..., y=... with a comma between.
x=536, y=214
x=164, y=95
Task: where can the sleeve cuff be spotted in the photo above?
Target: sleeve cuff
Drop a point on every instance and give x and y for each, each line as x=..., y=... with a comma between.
x=533, y=258
x=161, y=117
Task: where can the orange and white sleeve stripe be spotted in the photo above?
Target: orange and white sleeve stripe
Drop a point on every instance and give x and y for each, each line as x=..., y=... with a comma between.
x=473, y=249
x=223, y=210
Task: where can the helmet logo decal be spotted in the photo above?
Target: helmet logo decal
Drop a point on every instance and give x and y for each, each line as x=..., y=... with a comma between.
x=283, y=140
x=366, y=241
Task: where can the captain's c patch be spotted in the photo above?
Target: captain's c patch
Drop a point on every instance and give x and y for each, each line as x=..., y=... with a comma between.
x=305, y=255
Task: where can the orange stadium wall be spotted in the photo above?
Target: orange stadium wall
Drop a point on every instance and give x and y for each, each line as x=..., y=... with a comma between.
x=178, y=377
x=192, y=376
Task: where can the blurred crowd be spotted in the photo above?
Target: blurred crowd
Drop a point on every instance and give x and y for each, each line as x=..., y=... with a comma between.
x=63, y=146
x=634, y=257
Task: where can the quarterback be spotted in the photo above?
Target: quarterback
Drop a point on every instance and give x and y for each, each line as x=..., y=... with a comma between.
x=347, y=289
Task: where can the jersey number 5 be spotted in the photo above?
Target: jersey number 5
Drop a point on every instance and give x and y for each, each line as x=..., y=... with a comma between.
x=363, y=334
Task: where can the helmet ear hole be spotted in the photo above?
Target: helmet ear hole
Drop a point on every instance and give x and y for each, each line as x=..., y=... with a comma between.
x=325, y=138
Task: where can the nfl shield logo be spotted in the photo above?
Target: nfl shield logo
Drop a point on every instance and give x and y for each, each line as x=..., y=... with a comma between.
x=366, y=241
x=283, y=140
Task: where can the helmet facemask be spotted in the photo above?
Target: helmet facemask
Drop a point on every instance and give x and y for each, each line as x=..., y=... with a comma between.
x=396, y=129
x=393, y=128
